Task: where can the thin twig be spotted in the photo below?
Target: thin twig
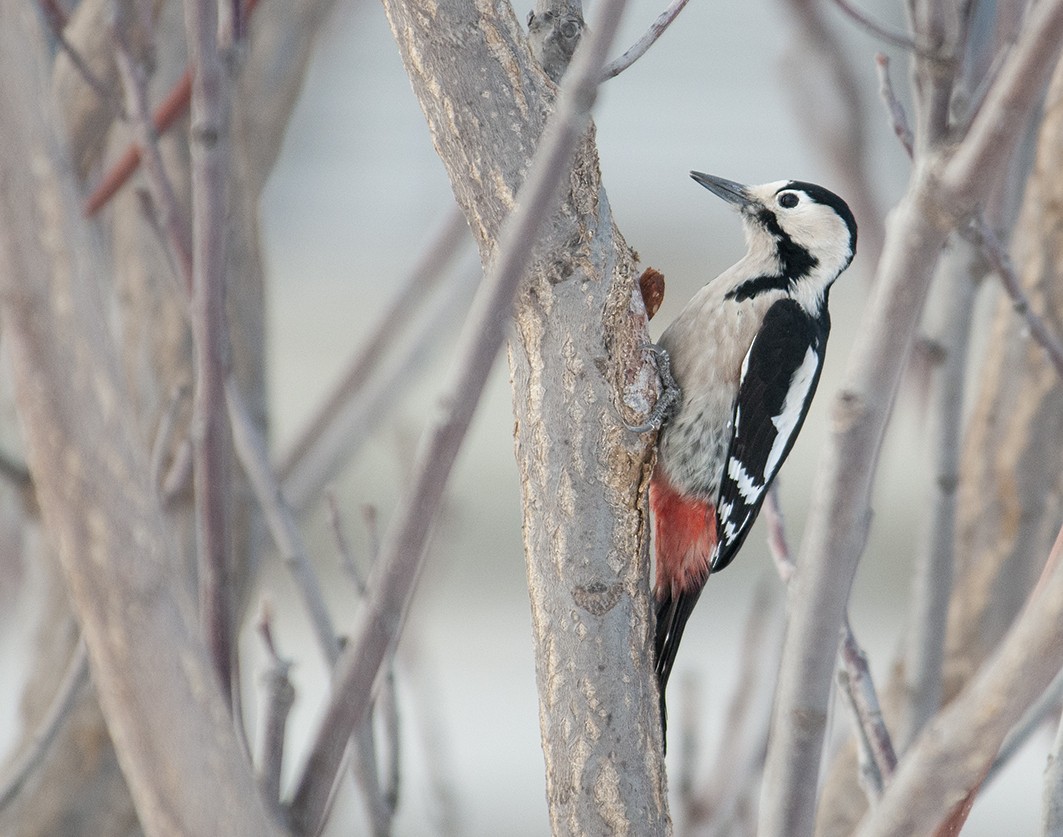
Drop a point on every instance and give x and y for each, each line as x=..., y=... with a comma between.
x=863, y=700
x=639, y=48
x=164, y=200
x=485, y=330
x=250, y=449
x=979, y=232
x=57, y=20
x=425, y=276
x=881, y=30
x=277, y=704
x=1031, y=721
x=164, y=434
x=932, y=574
x=20, y=770
x=343, y=546
x=362, y=409
x=777, y=543
x=898, y=117
x=211, y=445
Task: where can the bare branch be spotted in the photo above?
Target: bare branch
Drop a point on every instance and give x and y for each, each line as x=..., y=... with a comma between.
x=642, y=45
x=898, y=118
x=343, y=547
x=57, y=23
x=1034, y=718
x=278, y=702
x=863, y=700
x=20, y=770
x=932, y=576
x=251, y=450
x=952, y=755
x=995, y=129
x=980, y=233
x=403, y=547
x=441, y=250
x=1052, y=795
x=879, y=30
x=211, y=444
x=167, y=211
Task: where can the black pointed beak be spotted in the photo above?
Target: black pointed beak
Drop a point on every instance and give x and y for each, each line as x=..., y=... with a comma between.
x=733, y=193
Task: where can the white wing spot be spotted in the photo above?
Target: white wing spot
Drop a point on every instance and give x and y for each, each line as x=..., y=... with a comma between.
x=747, y=486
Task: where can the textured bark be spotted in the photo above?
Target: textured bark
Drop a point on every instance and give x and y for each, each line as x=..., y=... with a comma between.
x=574, y=362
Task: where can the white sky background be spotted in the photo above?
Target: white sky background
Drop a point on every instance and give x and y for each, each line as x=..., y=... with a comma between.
x=359, y=189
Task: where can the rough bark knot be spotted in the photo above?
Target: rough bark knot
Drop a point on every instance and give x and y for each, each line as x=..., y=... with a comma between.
x=597, y=598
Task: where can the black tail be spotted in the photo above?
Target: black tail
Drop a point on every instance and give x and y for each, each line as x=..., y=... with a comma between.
x=672, y=615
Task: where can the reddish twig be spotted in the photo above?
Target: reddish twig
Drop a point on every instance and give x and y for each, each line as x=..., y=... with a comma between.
x=174, y=106
x=167, y=212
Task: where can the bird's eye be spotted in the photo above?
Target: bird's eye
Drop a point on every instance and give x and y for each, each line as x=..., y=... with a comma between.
x=788, y=200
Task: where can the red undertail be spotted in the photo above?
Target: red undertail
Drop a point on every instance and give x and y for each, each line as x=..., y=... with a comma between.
x=684, y=539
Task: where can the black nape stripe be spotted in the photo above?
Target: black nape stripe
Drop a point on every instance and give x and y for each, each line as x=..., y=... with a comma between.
x=794, y=259
x=758, y=285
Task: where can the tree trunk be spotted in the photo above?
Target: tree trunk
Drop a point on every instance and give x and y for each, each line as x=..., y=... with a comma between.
x=575, y=363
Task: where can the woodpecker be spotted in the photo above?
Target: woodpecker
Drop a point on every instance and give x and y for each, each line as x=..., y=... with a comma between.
x=746, y=353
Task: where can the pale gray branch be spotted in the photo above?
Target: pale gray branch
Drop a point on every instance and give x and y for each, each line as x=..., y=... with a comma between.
x=425, y=276
x=1034, y=718
x=836, y=531
x=958, y=745
x=932, y=576
x=881, y=759
x=1001, y=120
x=982, y=234
x=211, y=454
x=277, y=704
x=1052, y=799
x=642, y=45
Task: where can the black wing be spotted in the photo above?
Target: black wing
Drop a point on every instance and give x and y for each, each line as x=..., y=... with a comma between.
x=779, y=378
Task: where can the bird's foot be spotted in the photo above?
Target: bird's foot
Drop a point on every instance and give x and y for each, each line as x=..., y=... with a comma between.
x=669, y=396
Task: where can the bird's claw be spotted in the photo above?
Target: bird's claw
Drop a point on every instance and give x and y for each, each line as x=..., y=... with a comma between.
x=669, y=397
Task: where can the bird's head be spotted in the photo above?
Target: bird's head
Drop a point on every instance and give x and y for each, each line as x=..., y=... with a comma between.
x=811, y=229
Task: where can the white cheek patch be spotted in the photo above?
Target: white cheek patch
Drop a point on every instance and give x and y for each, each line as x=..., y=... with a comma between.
x=792, y=408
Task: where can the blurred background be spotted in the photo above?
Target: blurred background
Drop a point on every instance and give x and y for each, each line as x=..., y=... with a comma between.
x=359, y=192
